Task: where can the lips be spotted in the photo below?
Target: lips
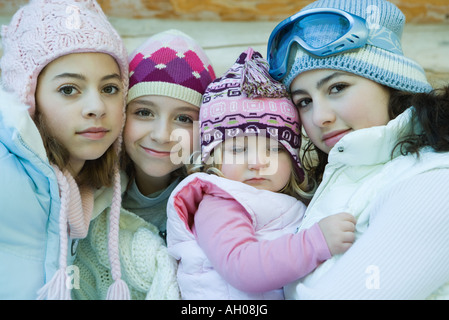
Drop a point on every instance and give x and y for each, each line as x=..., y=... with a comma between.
x=156, y=153
x=94, y=133
x=255, y=180
x=331, y=138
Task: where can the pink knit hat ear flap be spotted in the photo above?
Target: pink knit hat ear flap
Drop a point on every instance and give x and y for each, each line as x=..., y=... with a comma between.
x=56, y=288
x=119, y=289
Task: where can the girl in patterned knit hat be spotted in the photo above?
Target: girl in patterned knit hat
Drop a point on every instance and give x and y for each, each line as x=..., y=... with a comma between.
x=383, y=154
x=232, y=226
x=168, y=75
x=64, y=82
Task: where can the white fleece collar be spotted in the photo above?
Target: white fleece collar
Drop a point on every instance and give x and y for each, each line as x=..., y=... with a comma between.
x=373, y=145
x=16, y=117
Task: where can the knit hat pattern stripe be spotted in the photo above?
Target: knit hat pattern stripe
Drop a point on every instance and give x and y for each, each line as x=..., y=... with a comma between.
x=373, y=63
x=384, y=67
x=277, y=119
x=172, y=90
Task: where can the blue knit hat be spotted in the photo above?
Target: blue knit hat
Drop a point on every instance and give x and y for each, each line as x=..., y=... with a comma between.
x=387, y=68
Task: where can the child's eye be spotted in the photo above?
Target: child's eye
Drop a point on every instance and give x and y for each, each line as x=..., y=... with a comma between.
x=111, y=89
x=184, y=118
x=337, y=88
x=68, y=90
x=238, y=149
x=302, y=103
x=275, y=149
x=143, y=113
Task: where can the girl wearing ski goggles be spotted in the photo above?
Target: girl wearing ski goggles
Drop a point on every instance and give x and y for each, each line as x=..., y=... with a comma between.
x=354, y=32
x=381, y=140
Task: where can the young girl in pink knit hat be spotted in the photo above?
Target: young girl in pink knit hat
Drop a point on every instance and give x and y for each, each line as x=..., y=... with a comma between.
x=232, y=226
x=168, y=75
x=64, y=83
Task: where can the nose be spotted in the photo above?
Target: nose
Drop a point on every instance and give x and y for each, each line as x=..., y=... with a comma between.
x=258, y=158
x=323, y=113
x=160, y=131
x=94, y=106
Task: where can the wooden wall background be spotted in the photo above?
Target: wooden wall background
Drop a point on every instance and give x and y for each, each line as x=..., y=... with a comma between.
x=416, y=11
x=225, y=28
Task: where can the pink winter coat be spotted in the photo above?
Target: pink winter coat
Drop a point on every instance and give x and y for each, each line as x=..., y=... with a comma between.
x=234, y=241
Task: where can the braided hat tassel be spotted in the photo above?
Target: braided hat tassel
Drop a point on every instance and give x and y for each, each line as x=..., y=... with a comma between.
x=119, y=289
x=57, y=288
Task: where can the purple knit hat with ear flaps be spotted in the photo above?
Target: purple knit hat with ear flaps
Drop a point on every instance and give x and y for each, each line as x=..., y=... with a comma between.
x=247, y=101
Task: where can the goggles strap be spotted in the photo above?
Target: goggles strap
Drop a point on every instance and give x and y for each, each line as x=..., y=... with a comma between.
x=384, y=38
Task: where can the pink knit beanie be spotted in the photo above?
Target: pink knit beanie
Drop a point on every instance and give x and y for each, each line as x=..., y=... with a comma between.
x=171, y=64
x=247, y=101
x=39, y=33
x=45, y=30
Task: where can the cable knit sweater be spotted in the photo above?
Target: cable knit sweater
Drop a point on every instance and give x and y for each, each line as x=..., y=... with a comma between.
x=147, y=268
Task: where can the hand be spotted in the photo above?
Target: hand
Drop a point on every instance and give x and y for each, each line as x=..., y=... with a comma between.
x=338, y=230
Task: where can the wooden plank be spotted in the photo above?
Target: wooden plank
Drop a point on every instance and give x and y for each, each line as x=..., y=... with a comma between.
x=428, y=44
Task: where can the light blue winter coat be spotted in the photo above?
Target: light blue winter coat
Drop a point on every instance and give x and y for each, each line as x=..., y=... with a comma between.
x=29, y=205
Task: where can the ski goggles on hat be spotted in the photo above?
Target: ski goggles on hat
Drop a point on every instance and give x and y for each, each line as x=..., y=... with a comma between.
x=353, y=32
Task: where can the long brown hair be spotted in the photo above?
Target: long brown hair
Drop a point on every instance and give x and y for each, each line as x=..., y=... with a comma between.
x=95, y=173
x=431, y=114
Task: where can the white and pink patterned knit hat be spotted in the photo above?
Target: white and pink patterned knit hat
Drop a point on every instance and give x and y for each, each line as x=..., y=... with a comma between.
x=247, y=101
x=45, y=30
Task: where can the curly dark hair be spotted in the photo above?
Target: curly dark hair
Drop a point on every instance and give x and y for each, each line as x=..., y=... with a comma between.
x=431, y=114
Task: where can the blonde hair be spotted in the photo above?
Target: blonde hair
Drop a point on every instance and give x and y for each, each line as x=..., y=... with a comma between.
x=299, y=190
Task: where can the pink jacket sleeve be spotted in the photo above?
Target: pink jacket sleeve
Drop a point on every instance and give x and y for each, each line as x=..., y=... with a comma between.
x=225, y=232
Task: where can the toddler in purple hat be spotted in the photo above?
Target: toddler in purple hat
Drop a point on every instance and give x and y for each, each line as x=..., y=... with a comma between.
x=232, y=225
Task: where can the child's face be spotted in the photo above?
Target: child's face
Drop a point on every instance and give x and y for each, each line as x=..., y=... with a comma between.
x=334, y=103
x=80, y=97
x=159, y=134
x=256, y=161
